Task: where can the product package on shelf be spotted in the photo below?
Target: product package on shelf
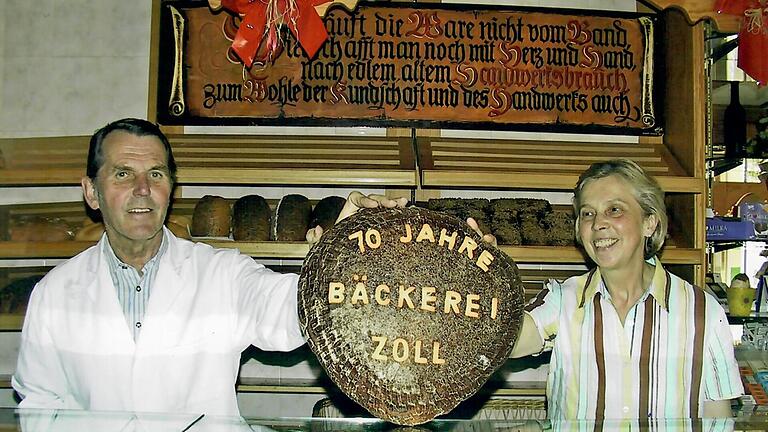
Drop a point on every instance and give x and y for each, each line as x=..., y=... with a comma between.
x=757, y=213
x=727, y=228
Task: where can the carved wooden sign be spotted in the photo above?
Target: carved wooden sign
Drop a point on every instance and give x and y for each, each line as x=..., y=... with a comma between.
x=408, y=312
x=407, y=65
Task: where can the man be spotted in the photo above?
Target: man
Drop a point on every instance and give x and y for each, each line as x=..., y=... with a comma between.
x=144, y=321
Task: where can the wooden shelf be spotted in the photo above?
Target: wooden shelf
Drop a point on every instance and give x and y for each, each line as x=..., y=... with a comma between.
x=420, y=163
x=229, y=159
x=270, y=249
x=296, y=176
x=539, y=181
x=697, y=10
x=41, y=177
x=352, y=161
x=42, y=250
x=542, y=165
x=11, y=322
x=250, y=176
x=572, y=255
x=66, y=249
x=298, y=250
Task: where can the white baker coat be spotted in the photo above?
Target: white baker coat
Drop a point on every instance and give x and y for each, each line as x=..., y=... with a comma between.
x=207, y=306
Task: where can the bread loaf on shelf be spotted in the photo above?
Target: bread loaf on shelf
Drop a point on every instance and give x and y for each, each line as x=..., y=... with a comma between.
x=292, y=217
x=514, y=221
x=532, y=230
x=560, y=228
x=90, y=231
x=251, y=219
x=15, y=296
x=462, y=208
x=39, y=229
x=504, y=223
x=179, y=226
x=212, y=217
x=326, y=212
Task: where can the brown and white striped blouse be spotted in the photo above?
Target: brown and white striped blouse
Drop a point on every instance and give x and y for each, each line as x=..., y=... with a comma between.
x=673, y=352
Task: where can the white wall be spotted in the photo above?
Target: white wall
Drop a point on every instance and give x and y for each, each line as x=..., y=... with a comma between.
x=68, y=67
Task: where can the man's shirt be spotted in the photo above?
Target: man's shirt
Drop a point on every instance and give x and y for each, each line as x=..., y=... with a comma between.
x=133, y=288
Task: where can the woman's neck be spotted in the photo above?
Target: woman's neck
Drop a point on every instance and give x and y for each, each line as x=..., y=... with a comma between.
x=627, y=285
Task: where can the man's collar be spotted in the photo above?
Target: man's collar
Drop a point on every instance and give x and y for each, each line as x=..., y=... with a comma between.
x=591, y=283
x=114, y=262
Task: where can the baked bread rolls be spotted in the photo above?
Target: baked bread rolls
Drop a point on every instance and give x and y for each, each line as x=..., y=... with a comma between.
x=212, y=217
x=251, y=219
x=326, y=212
x=292, y=218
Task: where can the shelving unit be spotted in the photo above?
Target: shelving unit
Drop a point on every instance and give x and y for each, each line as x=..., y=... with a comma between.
x=547, y=165
x=229, y=159
x=426, y=163
x=423, y=163
x=298, y=250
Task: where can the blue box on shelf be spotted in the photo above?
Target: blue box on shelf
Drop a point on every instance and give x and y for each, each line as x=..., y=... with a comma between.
x=730, y=229
x=756, y=213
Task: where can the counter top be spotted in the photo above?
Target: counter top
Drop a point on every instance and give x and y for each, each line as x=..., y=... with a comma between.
x=28, y=420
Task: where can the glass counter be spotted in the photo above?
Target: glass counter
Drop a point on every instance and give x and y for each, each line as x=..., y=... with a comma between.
x=29, y=420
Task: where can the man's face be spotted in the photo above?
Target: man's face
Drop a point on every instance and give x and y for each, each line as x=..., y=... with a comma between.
x=132, y=188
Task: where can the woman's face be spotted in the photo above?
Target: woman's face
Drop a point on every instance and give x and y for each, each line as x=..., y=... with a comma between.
x=612, y=226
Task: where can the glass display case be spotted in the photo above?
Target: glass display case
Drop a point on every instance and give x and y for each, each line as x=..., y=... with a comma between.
x=29, y=420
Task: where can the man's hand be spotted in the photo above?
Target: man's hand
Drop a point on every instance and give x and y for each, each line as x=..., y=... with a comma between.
x=355, y=202
x=314, y=234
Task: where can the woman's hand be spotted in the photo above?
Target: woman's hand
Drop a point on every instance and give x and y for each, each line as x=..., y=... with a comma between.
x=487, y=238
x=529, y=340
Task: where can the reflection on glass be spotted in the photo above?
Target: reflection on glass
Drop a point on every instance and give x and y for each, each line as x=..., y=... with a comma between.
x=30, y=420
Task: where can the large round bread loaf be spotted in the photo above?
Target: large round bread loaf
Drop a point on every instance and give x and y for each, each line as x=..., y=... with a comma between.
x=292, y=217
x=251, y=219
x=408, y=311
x=212, y=217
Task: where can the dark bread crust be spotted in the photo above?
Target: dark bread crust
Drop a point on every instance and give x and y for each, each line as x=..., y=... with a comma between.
x=341, y=333
x=292, y=217
x=251, y=219
x=212, y=217
x=326, y=212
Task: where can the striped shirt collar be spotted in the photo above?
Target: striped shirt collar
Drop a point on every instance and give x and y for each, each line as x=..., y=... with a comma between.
x=592, y=283
x=116, y=263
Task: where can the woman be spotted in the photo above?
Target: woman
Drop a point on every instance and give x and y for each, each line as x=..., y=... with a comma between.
x=629, y=339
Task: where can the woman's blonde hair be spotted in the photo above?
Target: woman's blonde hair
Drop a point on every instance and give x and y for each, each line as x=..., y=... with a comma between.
x=646, y=190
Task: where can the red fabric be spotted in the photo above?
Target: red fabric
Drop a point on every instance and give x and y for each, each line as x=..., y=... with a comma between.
x=753, y=44
x=734, y=7
x=753, y=35
x=305, y=24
